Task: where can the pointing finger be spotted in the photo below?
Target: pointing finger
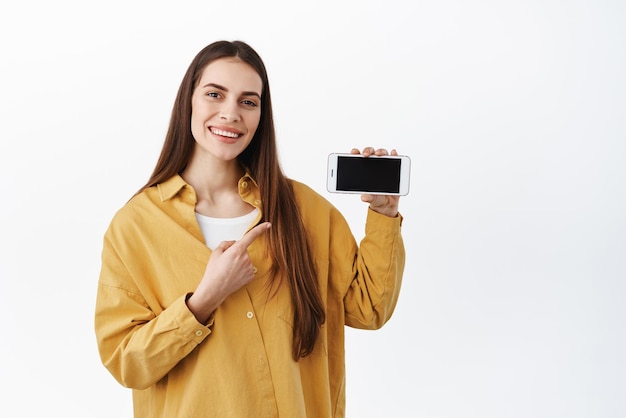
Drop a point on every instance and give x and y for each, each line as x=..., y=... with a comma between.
x=254, y=233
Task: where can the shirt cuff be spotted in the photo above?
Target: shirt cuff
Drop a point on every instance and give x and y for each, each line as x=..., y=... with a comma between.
x=378, y=220
x=188, y=325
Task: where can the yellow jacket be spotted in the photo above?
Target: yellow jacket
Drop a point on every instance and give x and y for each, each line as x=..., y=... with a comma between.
x=240, y=364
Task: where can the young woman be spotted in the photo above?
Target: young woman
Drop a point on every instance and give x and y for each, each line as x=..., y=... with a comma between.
x=225, y=286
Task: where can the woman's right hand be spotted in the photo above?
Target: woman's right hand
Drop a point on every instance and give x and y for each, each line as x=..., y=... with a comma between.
x=228, y=270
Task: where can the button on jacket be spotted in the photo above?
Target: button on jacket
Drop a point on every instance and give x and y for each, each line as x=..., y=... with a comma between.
x=240, y=363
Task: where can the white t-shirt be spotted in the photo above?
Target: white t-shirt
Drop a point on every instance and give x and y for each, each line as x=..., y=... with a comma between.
x=216, y=230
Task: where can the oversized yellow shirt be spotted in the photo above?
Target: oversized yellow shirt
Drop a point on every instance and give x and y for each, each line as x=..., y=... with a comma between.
x=240, y=364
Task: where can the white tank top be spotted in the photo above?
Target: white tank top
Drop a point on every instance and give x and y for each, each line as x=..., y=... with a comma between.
x=216, y=230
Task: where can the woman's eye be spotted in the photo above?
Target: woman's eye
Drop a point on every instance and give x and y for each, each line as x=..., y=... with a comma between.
x=213, y=94
x=249, y=103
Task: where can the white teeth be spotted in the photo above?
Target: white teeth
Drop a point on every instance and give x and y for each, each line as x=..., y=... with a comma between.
x=224, y=133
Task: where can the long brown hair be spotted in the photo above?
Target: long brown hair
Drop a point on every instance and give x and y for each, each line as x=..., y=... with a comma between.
x=288, y=244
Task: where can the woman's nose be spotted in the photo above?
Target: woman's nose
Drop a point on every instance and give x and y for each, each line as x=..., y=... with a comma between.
x=230, y=112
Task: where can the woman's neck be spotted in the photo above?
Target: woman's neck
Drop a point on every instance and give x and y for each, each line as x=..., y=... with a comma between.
x=216, y=187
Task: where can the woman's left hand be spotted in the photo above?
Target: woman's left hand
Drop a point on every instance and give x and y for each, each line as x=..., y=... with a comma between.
x=383, y=204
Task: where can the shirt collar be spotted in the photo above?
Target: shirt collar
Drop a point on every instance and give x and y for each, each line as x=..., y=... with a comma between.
x=172, y=186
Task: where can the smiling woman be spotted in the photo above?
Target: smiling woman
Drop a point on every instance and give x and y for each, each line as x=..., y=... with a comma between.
x=225, y=286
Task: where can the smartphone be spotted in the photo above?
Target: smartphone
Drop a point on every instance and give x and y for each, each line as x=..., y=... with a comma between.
x=353, y=173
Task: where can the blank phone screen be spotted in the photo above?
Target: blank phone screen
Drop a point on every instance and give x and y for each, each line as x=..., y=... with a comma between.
x=356, y=174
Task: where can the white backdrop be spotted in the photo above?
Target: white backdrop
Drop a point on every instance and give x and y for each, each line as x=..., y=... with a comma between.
x=512, y=113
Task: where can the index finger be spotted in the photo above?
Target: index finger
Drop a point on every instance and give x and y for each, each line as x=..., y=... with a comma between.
x=253, y=234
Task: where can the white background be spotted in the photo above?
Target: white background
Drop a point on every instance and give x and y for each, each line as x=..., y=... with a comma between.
x=511, y=111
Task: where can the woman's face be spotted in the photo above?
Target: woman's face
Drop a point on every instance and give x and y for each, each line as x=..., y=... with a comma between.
x=226, y=109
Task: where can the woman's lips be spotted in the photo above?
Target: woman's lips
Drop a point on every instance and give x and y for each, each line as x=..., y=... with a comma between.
x=225, y=135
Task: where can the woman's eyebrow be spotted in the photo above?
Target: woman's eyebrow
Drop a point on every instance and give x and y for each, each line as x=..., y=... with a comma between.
x=244, y=93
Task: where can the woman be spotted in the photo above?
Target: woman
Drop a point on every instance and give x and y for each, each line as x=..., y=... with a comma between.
x=225, y=286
